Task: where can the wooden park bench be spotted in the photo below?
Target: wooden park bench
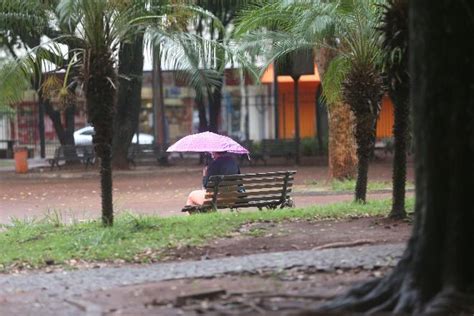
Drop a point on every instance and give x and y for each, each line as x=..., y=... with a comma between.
x=81, y=153
x=261, y=190
x=145, y=153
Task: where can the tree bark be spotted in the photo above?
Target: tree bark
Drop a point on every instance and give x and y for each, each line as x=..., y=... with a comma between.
x=342, y=157
x=100, y=93
x=55, y=117
x=435, y=275
x=341, y=144
x=129, y=100
x=215, y=108
x=365, y=139
x=400, y=134
x=362, y=90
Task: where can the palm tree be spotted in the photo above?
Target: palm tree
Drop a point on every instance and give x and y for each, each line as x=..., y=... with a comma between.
x=100, y=28
x=362, y=86
x=276, y=28
x=394, y=27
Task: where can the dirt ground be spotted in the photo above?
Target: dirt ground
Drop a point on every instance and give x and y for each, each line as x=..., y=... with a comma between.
x=75, y=193
x=299, y=235
x=262, y=293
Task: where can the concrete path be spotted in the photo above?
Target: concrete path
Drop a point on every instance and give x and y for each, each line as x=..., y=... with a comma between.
x=60, y=292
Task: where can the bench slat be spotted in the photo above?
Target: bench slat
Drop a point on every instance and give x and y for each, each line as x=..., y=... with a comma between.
x=256, y=175
x=241, y=200
x=225, y=195
x=249, y=181
x=252, y=187
x=245, y=203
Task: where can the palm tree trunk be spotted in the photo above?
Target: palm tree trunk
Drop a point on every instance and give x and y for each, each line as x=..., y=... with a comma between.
x=362, y=89
x=341, y=142
x=100, y=91
x=365, y=138
x=341, y=145
x=400, y=134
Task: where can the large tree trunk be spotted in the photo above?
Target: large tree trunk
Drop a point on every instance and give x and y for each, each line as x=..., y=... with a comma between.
x=100, y=98
x=215, y=108
x=202, y=113
x=436, y=274
x=70, y=117
x=341, y=145
x=129, y=100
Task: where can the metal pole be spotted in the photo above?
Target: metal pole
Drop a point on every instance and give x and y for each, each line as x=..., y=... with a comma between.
x=158, y=99
x=275, y=100
x=318, y=120
x=297, y=121
x=155, y=97
x=41, y=127
x=247, y=122
x=162, y=102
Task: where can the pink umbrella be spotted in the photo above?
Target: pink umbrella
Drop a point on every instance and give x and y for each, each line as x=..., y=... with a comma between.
x=207, y=142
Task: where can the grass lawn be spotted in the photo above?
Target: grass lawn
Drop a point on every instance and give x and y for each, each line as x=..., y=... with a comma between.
x=36, y=243
x=349, y=185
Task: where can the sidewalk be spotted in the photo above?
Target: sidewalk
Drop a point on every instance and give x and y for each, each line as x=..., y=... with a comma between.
x=66, y=292
x=8, y=165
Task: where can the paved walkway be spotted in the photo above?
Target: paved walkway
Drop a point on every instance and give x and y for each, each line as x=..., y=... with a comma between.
x=60, y=292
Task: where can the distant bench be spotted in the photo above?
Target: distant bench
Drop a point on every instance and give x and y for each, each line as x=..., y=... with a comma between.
x=384, y=145
x=81, y=153
x=270, y=190
x=143, y=153
x=269, y=148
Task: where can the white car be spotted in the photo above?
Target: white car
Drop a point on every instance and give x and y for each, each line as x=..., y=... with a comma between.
x=83, y=136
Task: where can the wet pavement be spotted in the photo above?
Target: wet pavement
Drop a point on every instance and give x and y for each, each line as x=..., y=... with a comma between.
x=63, y=293
x=154, y=190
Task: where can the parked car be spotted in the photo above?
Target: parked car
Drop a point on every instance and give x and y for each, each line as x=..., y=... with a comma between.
x=83, y=136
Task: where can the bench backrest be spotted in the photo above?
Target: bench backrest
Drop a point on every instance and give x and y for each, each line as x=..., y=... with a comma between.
x=278, y=146
x=152, y=149
x=74, y=151
x=249, y=190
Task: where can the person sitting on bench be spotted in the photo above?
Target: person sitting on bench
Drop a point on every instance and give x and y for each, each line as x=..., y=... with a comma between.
x=221, y=164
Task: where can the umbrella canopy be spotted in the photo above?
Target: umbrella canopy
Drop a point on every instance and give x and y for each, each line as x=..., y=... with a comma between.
x=207, y=142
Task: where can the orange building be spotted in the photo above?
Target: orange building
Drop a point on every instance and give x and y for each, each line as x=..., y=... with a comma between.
x=308, y=88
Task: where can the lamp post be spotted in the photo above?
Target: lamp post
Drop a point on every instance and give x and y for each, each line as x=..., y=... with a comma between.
x=296, y=64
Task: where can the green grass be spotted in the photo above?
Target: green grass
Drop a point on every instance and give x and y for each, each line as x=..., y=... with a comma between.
x=136, y=238
x=349, y=185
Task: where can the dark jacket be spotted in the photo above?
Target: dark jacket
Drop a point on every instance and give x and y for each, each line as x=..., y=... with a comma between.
x=223, y=165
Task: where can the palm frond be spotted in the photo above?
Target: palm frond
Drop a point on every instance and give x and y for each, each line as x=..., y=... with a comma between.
x=333, y=79
x=12, y=84
x=16, y=76
x=23, y=17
